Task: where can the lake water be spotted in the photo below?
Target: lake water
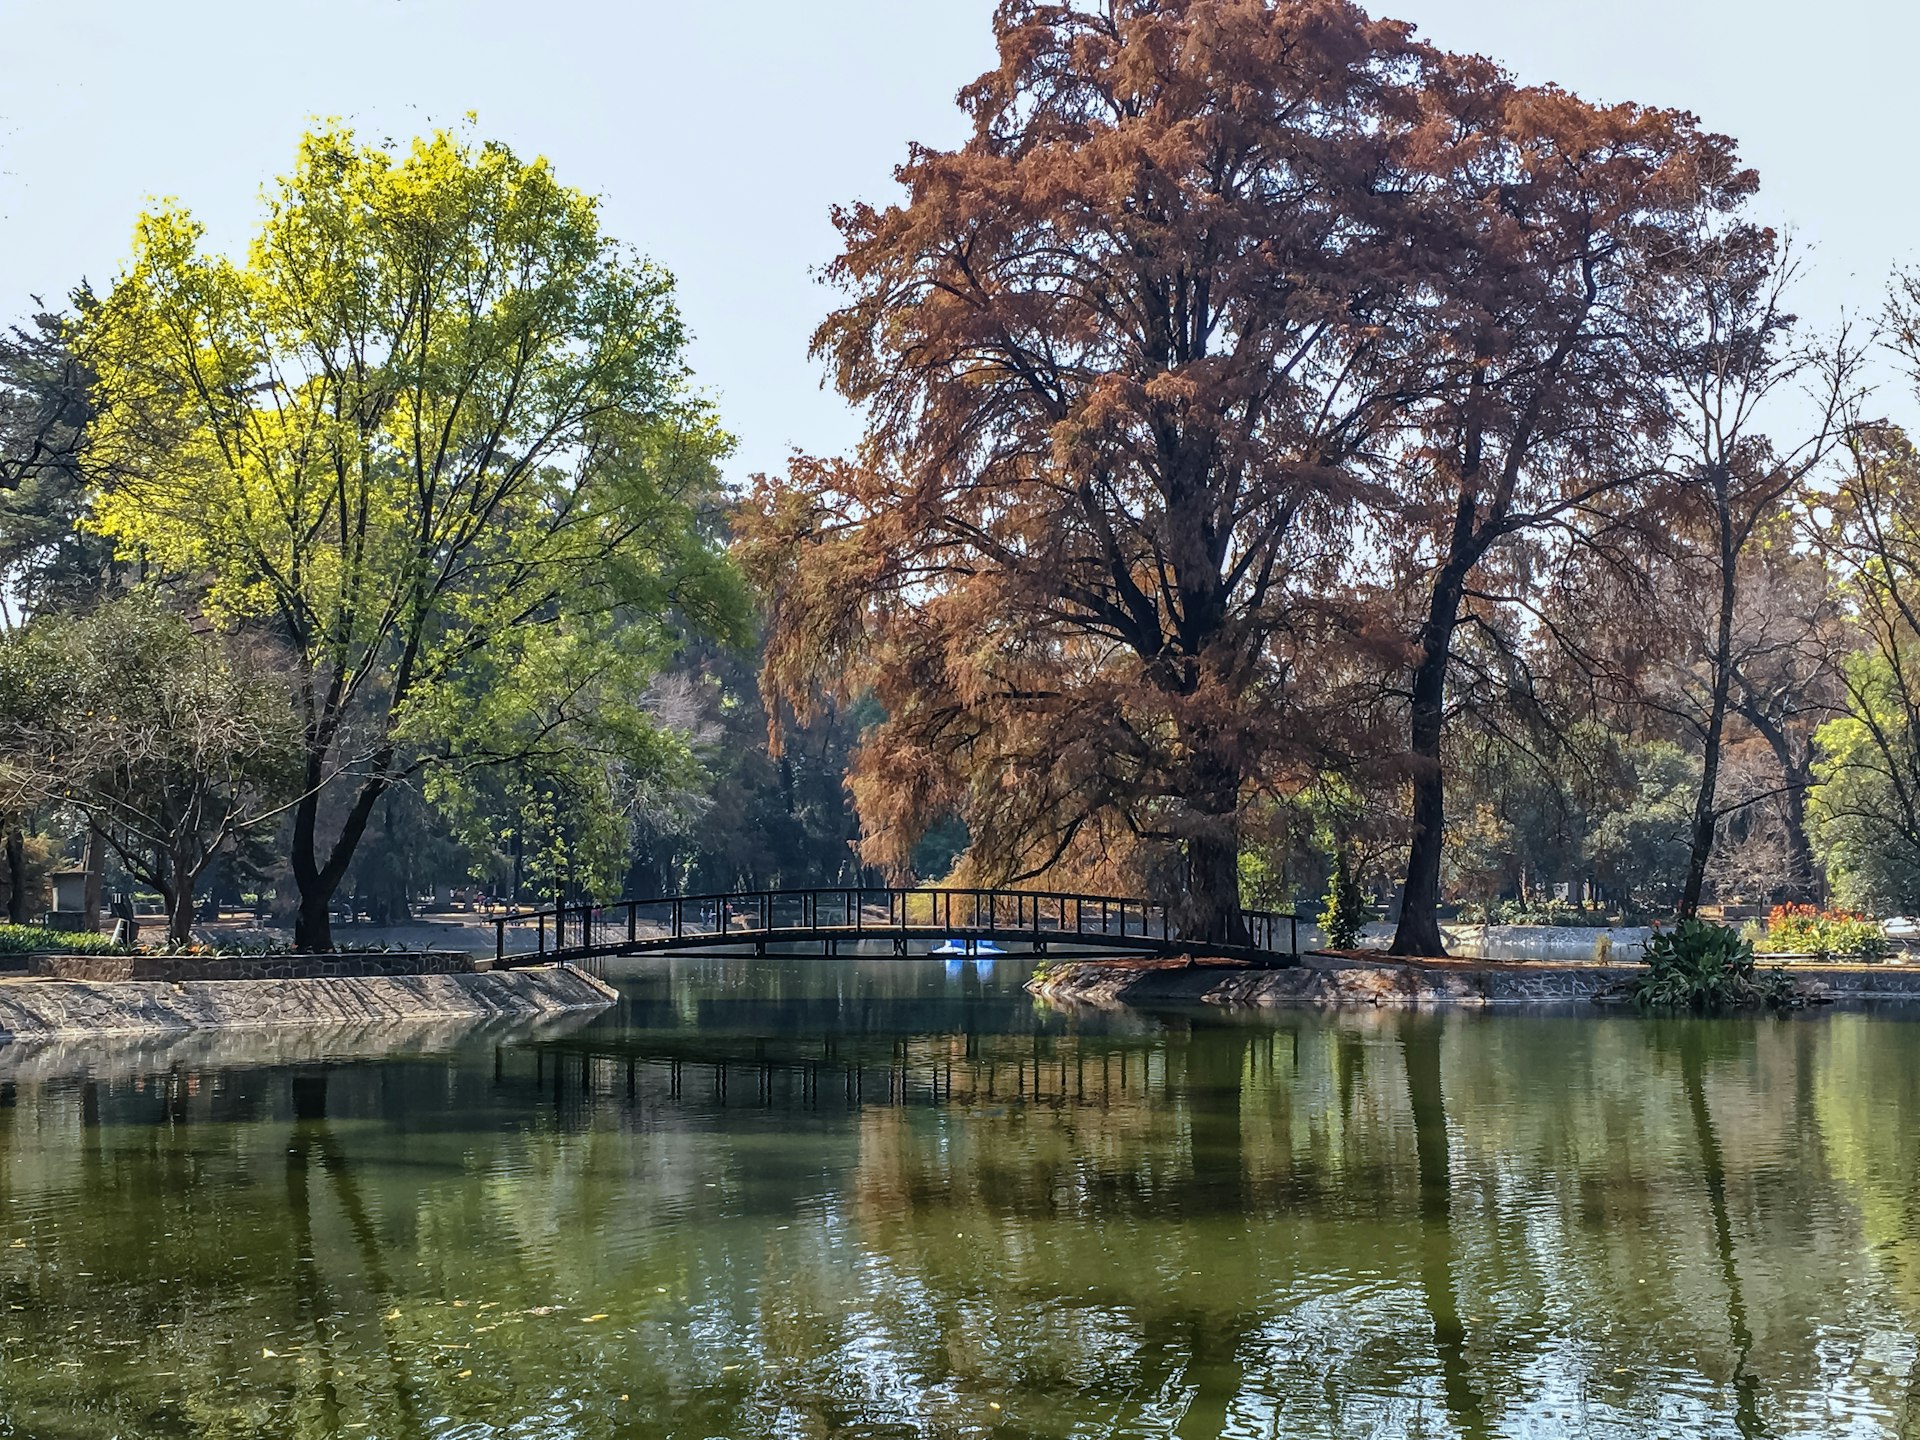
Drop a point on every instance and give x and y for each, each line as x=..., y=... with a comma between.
x=896, y=1199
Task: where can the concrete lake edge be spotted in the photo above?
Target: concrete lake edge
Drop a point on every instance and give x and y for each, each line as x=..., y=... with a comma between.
x=1326, y=980
x=59, y=1009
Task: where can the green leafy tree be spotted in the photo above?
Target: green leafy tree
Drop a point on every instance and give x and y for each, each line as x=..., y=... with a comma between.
x=1347, y=911
x=1864, y=813
x=761, y=815
x=1641, y=844
x=47, y=561
x=167, y=743
x=436, y=433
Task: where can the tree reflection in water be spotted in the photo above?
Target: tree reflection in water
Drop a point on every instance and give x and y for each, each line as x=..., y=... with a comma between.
x=833, y=1199
x=1420, y=1042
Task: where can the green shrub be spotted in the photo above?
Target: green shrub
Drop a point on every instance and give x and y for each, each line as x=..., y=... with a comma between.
x=1708, y=968
x=39, y=940
x=1347, y=910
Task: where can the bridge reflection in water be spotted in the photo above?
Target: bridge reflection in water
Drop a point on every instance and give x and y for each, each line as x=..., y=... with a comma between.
x=830, y=918
x=585, y=1073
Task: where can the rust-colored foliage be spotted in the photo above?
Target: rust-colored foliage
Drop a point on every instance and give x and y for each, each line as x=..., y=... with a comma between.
x=1536, y=404
x=1143, y=362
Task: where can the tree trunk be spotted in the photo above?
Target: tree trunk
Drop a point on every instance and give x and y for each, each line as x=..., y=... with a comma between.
x=17, y=897
x=313, y=922
x=1418, y=932
x=1803, y=884
x=317, y=882
x=1420, y=1044
x=94, y=862
x=1796, y=779
x=1213, y=890
x=1705, y=818
x=1211, y=909
x=180, y=913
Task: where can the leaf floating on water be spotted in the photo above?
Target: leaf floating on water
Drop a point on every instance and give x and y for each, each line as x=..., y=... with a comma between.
x=266, y=1354
x=592, y=1318
x=394, y=1314
x=464, y=1374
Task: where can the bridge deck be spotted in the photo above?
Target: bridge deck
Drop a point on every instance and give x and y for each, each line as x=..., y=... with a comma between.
x=831, y=917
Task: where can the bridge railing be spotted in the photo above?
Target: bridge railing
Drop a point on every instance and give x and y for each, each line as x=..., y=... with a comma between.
x=882, y=913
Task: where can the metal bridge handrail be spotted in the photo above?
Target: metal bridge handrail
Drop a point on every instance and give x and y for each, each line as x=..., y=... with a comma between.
x=737, y=895
x=1126, y=918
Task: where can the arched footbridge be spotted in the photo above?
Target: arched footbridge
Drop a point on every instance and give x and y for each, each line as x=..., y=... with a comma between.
x=837, y=920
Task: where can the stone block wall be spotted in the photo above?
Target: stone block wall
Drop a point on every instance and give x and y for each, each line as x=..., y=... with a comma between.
x=176, y=969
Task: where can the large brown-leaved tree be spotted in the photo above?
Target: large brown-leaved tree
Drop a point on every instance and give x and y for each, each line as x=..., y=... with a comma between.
x=1118, y=356
x=1559, y=229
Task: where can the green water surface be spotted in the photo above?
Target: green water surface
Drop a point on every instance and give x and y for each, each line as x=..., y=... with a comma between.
x=883, y=1198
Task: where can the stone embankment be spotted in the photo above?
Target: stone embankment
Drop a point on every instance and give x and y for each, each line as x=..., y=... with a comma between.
x=1348, y=980
x=53, y=1009
x=174, y=969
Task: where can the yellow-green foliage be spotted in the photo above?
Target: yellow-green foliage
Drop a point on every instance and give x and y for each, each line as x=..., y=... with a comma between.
x=436, y=431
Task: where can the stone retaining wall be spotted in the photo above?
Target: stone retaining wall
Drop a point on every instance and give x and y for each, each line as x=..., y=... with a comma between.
x=1332, y=980
x=42, y=1009
x=128, y=1054
x=174, y=969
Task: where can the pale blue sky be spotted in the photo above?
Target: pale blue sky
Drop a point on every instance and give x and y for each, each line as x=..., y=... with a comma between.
x=721, y=133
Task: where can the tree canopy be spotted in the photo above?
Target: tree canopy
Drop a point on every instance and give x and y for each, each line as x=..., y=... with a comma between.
x=1217, y=304
x=167, y=742
x=436, y=434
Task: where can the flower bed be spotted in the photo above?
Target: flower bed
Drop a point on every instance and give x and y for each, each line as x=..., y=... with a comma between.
x=1809, y=930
